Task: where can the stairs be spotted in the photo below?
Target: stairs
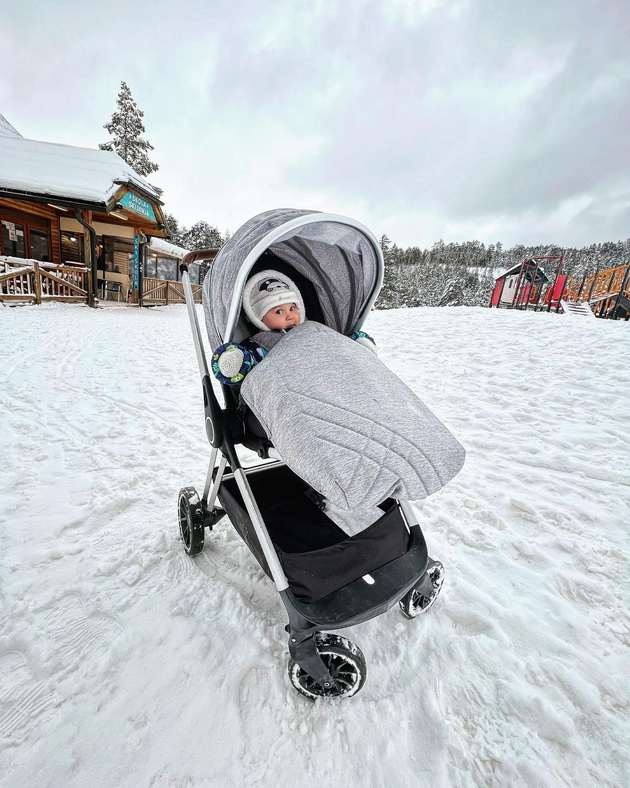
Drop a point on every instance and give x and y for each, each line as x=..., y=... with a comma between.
x=577, y=308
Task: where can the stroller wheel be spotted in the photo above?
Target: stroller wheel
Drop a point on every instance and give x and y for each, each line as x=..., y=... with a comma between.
x=345, y=662
x=191, y=520
x=415, y=601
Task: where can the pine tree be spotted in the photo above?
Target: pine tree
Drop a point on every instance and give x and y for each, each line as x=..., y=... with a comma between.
x=201, y=236
x=125, y=127
x=176, y=232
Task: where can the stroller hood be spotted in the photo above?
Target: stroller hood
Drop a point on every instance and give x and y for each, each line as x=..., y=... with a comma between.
x=339, y=257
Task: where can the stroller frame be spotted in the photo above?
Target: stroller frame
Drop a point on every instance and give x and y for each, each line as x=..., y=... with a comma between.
x=413, y=579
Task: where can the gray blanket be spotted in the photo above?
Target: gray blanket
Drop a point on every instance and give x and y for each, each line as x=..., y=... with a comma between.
x=347, y=425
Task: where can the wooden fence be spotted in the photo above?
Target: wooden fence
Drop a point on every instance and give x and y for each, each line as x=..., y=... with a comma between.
x=159, y=291
x=30, y=280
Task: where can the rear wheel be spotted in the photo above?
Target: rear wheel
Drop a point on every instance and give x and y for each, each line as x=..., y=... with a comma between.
x=416, y=602
x=344, y=661
x=191, y=520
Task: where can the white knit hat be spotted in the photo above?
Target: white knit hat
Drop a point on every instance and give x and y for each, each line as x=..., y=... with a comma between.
x=267, y=289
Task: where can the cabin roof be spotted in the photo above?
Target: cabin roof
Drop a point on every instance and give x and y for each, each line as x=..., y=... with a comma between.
x=48, y=169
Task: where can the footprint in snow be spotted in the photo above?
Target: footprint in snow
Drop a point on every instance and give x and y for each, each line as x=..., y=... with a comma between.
x=26, y=702
x=77, y=633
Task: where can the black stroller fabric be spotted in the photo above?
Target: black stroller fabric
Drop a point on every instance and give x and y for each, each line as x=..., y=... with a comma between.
x=318, y=558
x=317, y=573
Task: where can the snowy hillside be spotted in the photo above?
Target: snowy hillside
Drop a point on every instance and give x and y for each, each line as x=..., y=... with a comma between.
x=125, y=663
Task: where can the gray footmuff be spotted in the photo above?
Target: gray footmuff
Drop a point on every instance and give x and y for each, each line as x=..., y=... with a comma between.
x=346, y=424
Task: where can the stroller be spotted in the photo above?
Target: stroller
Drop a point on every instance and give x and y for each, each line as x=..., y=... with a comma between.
x=327, y=580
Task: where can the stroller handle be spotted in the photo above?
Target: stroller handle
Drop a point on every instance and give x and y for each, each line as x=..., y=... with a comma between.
x=197, y=256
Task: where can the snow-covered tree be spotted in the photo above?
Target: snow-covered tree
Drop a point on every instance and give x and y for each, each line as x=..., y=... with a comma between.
x=202, y=236
x=126, y=128
x=176, y=232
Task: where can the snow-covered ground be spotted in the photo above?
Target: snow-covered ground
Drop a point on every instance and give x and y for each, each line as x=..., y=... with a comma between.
x=125, y=663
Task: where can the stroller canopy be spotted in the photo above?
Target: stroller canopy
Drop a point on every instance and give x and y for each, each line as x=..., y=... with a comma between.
x=337, y=256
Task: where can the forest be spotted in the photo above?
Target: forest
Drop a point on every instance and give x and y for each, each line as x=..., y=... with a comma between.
x=463, y=274
x=447, y=274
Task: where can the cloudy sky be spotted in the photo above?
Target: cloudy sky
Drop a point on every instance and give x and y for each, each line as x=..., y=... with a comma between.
x=499, y=120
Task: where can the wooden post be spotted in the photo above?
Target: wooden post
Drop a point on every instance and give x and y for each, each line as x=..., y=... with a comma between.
x=37, y=283
x=518, y=287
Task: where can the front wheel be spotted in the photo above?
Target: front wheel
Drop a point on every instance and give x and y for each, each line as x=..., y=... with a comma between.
x=416, y=602
x=344, y=661
x=191, y=520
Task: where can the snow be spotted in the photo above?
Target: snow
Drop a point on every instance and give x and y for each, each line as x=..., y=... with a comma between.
x=160, y=245
x=8, y=262
x=125, y=663
x=55, y=170
x=6, y=129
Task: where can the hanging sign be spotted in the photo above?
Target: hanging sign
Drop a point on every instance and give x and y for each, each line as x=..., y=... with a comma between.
x=10, y=229
x=136, y=204
x=136, y=262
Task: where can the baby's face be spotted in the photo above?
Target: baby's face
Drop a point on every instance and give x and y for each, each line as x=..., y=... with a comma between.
x=282, y=316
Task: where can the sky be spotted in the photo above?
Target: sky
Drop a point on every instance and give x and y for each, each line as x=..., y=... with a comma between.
x=494, y=120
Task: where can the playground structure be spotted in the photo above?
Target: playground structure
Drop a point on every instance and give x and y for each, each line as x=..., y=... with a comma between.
x=603, y=293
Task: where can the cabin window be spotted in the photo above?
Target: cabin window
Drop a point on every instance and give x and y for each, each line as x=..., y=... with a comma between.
x=23, y=237
x=118, y=255
x=150, y=266
x=13, y=241
x=39, y=245
x=72, y=247
x=167, y=268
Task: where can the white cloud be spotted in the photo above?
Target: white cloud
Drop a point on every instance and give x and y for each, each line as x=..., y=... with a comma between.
x=428, y=118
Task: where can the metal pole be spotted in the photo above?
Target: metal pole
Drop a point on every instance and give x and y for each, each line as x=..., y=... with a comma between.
x=143, y=260
x=266, y=545
x=622, y=290
x=209, y=494
x=194, y=323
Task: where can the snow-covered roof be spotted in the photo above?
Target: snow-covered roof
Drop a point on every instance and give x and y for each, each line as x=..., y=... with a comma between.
x=516, y=269
x=65, y=171
x=160, y=245
x=7, y=130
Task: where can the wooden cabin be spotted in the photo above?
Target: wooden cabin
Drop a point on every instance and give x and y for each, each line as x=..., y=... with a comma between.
x=68, y=205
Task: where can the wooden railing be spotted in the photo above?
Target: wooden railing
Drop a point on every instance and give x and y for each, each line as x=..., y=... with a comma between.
x=598, y=286
x=30, y=280
x=159, y=291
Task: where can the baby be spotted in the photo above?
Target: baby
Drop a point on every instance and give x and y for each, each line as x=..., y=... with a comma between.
x=271, y=302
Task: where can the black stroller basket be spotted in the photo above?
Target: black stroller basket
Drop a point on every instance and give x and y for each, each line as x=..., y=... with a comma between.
x=326, y=579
